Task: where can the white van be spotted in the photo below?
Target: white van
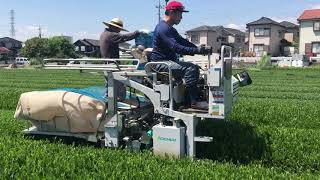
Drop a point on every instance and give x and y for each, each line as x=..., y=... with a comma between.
x=22, y=61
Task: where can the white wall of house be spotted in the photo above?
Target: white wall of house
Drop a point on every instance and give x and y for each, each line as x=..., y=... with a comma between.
x=208, y=38
x=307, y=35
x=203, y=37
x=190, y=37
x=213, y=38
x=272, y=41
x=231, y=39
x=289, y=37
x=292, y=35
x=257, y=40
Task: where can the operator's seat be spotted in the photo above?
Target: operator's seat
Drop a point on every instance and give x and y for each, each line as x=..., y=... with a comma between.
x=162, y=76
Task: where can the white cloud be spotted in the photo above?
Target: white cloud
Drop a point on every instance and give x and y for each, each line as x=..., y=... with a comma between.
x=289, y=19
x=26, y=32
x=85, y=34
x=237, y=26
x=30, y=31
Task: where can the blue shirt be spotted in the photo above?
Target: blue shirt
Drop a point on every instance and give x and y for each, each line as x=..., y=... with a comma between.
x=168, y=44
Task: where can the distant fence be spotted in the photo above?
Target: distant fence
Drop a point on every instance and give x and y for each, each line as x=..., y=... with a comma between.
x=247, y=59
x=315, y=59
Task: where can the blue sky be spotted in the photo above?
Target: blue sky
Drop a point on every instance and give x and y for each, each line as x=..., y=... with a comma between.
x=82, y=18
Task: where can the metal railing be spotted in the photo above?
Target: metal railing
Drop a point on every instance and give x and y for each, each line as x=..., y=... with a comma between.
x=92, y=64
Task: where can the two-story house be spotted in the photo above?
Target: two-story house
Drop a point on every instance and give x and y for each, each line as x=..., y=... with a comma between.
x=216, y=36
x=292, y=32
x=91, y=47
x=265, y=35
x=88, y=47
x=310, y=32
x=13, y=45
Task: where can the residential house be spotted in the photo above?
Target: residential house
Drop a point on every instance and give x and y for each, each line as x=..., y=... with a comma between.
x=265, y=35
x=88, y=47
x=4, y=55
x=216, y=36
x=310, y=32
x=292, y=32
x=237, y=39
x=13, y=45
x=91, y=47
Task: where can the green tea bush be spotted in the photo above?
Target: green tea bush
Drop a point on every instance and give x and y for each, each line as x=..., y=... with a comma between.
x=272, y=133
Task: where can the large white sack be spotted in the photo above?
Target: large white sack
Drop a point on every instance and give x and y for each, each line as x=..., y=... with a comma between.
x=82, y=111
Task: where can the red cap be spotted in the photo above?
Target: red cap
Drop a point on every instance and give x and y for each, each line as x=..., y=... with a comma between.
x=175, y=6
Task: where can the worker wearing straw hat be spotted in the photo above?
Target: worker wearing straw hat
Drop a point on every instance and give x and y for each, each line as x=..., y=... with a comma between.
x=111, y=38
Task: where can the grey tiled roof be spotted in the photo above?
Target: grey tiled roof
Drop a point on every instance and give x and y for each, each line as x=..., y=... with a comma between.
x=235, y=31
x=83, y=42
x=289, y=24
x=9, y=39
x=264, y=20
x=218, y=29
x=206, y=28
x=93, y=42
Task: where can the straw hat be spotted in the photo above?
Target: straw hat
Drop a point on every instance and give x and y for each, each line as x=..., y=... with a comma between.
x=116, y=22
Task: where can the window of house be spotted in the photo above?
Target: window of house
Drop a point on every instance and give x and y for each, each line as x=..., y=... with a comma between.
x=259, y=49
x=238, y=39
x=195, y=38
x=76, y=48
x=83, y=48
x=281, y=34
x=9, y=45
x=224, y=39
x=316, y=48
x=316, y=26
x=264, y=32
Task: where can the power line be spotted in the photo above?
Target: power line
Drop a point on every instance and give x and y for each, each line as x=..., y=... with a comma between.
x=12, y=23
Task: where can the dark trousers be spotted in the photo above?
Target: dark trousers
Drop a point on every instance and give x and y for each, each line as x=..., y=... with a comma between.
x=187, y=71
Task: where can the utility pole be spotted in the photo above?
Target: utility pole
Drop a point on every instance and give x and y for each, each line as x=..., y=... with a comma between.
x=40, y=32
x=159, y=10
x=159, y=7
x=12, y=23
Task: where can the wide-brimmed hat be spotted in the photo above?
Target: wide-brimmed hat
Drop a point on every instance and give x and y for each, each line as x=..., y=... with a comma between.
x=116, y=22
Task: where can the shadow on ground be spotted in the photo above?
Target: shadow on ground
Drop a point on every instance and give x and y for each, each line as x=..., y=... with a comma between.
x=233, y=141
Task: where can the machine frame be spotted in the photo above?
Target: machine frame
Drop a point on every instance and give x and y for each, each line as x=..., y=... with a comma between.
x=222, y=92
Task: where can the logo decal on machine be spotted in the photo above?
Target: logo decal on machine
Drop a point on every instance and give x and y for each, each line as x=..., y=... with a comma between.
x=215, y=110
x=159, y=138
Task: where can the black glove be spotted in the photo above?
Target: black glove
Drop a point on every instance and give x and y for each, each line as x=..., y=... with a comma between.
x=204, y=50
x=137, y=33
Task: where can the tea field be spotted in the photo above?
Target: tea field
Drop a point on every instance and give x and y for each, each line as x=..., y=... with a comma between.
x=273, y=132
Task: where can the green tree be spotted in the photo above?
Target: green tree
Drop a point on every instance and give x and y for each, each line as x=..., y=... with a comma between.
x=59, y=47
x=36, y=48
x=56, y=47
